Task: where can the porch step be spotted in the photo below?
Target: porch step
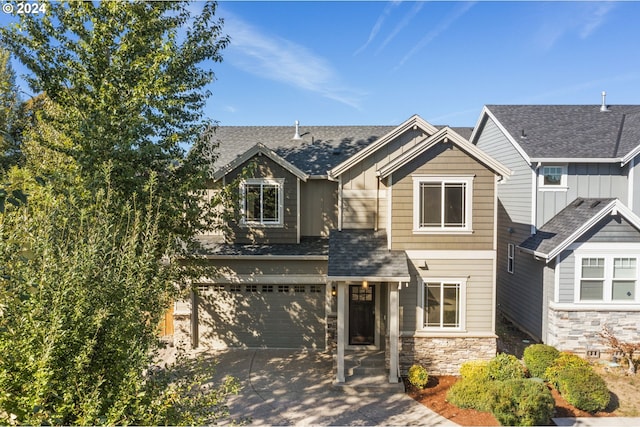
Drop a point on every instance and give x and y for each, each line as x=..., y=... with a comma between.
x=366, y=370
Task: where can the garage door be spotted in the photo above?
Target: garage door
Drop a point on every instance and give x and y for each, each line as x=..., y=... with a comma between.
x=271, y=316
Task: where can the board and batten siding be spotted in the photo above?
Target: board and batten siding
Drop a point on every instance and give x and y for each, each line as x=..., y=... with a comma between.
x=588, y=180
x=285, y=233
x=318, y=207
x=442, y=160
x=515, y=191
x=360, y=184
x=479, y=298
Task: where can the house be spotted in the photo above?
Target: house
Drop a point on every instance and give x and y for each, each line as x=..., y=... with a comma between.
x=353, y=238
x=568, y=224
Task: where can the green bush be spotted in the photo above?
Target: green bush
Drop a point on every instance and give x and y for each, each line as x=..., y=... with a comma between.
x=583, y=388
x=505, y=367
x=538, y=357
x=472, y=394
x=475, y=370
x=418, y=376
x=564, y=361
x=522, y=402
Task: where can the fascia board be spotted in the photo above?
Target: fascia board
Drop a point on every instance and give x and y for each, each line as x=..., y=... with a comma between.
x=455, y=138
x=369, y=278
x=251, y=152
x=517, y=146
x=583, y=229
x=626, y=159
x=535, y=253
x=576, y=159
x=476, y=128
x=403, y=127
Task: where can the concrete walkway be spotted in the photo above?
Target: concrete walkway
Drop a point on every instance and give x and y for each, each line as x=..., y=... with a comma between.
x=289, y=387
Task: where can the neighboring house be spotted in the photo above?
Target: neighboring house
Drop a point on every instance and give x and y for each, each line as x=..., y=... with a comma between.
x=568, y=225
x=353, y=238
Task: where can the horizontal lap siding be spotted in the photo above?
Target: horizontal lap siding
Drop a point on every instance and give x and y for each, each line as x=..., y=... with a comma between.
x=479, y=302
x=444, y=159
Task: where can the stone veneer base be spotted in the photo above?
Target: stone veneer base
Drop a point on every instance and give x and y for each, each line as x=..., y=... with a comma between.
x=444, y=355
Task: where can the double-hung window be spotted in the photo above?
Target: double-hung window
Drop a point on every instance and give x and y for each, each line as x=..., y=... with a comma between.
x=511, y=253
x=442, y=204
x=607, y=278
x=442, y=304
x=552, y=177
x=261, y=201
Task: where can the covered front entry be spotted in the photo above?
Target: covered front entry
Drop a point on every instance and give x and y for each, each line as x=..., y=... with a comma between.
x=367, y=277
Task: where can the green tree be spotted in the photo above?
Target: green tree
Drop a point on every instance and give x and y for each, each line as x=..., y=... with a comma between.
x=10, y=113
x=131, y=80
x=81, y=288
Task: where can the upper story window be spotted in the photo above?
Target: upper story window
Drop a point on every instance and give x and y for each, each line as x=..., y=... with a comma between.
x=607, y=278
x=442, y=304
x=261, y=201
x=553, y=177
x=442, y=204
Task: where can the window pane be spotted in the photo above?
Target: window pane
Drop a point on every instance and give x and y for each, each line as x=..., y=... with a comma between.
x=624, y=268
x=591, y=290
x=270, y=203
x=451, y=303
x=454, y=205
x=252, y=201
x=432, y=305
x=430, y=204
x=593, y=268
x=552, y=175
x=623, y=290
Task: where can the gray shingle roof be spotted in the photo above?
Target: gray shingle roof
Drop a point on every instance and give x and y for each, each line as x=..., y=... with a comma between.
x=364, y=254
x=572, y=131
x=308, y=246
x=564, y=224
x=320, y=149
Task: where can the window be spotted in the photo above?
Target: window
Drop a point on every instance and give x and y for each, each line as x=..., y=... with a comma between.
x=251, y=288
x=284, y=289
x=442, y=204
x=442, y=304
x=511, y=252
x=267, y=288
x=607, y=279
x=553, y=177
x=261, y=201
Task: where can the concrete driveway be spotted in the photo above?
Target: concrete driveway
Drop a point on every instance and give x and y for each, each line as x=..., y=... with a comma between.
x=291, y=387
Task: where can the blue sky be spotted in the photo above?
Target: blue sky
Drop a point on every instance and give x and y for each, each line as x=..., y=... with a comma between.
x=380, y=62
x=374, y=62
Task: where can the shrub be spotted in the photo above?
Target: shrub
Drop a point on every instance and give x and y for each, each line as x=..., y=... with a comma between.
x=471, y=393
x=538, y=357
x=564, y=361
x=505, y=367
x=475, y=370
x=522, y=402
x=583, y=388
x=418, y=376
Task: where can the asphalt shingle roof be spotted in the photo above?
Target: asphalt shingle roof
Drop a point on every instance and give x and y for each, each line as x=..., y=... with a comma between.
x=308, y=246
x=320, y=148
x=564, y=224
x=572, y=131
x=364, y=253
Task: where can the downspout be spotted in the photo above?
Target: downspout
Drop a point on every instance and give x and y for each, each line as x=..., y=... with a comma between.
x=377, y=212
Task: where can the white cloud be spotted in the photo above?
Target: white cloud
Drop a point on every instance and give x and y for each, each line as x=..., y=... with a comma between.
x=405, y=21
x=282, y=60
x=377, y=26
x=441, y=28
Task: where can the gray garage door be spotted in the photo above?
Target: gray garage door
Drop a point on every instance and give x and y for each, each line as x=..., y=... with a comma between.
x=270, y=316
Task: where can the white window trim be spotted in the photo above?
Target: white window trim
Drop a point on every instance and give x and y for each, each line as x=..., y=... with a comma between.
x=608, y=256
x=511, y=258
x=279, y=182
x=563, y=179
x=467, y=180
x=420, y=306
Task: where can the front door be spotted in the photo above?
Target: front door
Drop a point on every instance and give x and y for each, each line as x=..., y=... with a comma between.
x=362, y=315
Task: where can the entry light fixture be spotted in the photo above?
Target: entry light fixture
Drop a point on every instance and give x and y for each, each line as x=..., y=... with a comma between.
x=365, y=284
x=333, y=291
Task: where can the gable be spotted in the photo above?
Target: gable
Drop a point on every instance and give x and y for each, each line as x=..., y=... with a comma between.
x=614, y=228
